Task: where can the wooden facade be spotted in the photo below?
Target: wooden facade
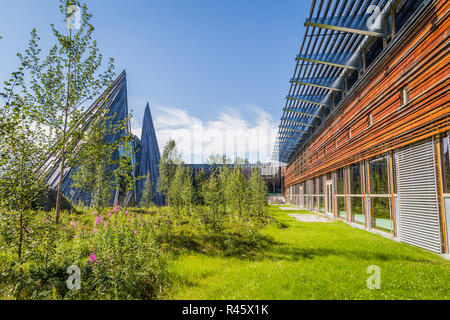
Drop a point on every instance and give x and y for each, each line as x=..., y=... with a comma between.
x=371, y=118
x=398, y=107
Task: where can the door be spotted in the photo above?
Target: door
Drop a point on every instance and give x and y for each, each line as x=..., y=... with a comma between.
x=329, y=198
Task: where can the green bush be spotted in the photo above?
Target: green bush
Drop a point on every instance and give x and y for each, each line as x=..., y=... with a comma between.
x=118, y=255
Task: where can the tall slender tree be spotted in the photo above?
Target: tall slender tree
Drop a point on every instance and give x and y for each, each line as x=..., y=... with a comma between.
x=258, y=194
x=21, y=152
x=167, y=168
x=63, y=82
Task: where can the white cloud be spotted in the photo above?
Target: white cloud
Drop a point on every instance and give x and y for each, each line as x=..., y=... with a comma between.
x=229, y=133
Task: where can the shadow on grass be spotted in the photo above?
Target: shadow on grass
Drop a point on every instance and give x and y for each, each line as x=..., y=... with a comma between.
x=283, y=251
x=226, y=244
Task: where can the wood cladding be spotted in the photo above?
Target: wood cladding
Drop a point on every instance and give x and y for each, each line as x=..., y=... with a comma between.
x=417, y=59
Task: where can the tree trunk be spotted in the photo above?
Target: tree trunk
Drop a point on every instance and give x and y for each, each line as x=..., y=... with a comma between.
x=63, y=153
x=59, y=193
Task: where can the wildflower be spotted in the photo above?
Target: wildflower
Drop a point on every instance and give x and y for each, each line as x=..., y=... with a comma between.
x=63, y=227
x=136, y=232
x=126, y=213
x=98, y=220
x=73, y=224
x=116, y=208
x=92, y=257
x=106, y=223
x=204, y=220
x=75, y=236
x=94, y=231
x=109, y=214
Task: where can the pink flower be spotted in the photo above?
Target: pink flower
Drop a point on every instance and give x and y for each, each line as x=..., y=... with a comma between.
x=136, y=232
x=116, y=208
x=98, y=220
x=75, y=236
x=109, y=214
x=92, y=257
x=63, y=227
x=73, y=224
x=94, y=231
x=126, y=213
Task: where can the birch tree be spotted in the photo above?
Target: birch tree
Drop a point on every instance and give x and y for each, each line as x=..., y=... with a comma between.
x=60, y=84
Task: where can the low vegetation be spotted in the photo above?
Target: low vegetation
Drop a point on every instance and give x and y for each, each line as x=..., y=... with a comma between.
x=157, y=254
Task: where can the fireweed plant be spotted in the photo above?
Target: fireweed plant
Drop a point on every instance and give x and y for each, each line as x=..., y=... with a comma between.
x=118, y=256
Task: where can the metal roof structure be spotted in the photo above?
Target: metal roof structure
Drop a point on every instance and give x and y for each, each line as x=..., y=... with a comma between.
x=150, y=157
x=112, y=106
x=332, y=53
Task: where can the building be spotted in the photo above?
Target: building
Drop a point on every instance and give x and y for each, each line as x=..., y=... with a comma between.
x=271, y=173
x=365, y=128
x=145, y=150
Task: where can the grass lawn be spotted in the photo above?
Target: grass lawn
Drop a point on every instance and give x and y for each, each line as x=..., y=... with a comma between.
x=312, y=261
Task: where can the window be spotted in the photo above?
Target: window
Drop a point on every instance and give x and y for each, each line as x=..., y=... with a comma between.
x=356, y=196
x=341, y=197
x=322, y=184
x=355, y=179
x=445, y=144
x=322, y=204
x=340, y=181
x=379, y=194
x=357, y=210
x=404, y=96
x=342, y=212
x=379, y=176
x=381, y=213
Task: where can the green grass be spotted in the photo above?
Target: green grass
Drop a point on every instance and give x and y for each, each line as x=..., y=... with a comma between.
x=312, y=261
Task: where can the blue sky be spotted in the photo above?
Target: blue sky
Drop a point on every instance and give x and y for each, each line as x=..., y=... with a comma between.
x=218, y=62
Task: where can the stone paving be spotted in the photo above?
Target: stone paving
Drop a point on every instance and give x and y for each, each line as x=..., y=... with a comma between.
x=310, y=218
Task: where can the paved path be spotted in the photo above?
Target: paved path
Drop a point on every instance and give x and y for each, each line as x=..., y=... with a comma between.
x=309, y=218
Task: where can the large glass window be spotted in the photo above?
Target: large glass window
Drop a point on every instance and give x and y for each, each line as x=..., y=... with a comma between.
x=379, y=194
x=379, y=178
x=340, y=181
x=381, y=214
x=342, y=211
x=322, y=204
x=320, y=182
x=355, y=179
x=315, y=203
x=356, y=197
x=357, y=210
x=446, y=163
